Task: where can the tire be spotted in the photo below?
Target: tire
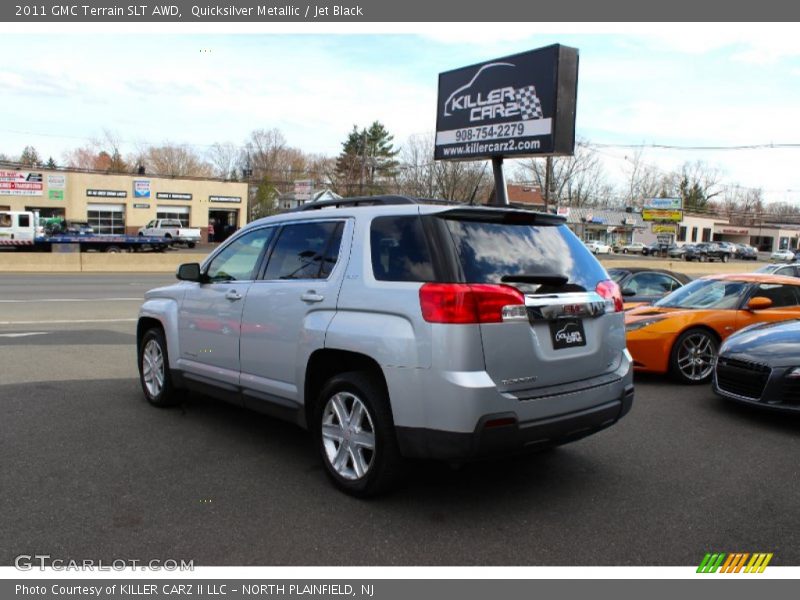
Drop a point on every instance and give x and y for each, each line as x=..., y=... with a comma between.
x=113, y=249
x=624, y=250
x=724, y=258
x=141, y=234
x=370, y=464
x=153, y=345
x=691, y=346
x=703, y=258
x=191, y=244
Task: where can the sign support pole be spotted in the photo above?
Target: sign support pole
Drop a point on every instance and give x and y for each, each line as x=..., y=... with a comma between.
x=500, y=189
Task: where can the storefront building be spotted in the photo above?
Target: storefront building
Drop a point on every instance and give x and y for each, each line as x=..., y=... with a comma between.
x=122, y=203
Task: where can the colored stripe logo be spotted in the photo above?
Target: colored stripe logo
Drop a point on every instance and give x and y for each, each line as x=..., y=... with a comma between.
x=735, y=562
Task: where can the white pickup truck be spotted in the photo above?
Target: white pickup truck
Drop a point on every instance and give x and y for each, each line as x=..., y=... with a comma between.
x=171, y=229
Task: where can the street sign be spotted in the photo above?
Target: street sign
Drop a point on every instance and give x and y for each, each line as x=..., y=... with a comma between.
x=520, y=105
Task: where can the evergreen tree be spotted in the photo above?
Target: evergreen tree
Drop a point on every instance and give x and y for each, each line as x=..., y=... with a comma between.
x=367, y=161
x=51, y=164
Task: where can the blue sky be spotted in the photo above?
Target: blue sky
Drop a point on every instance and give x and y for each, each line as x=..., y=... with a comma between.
x=710, y=85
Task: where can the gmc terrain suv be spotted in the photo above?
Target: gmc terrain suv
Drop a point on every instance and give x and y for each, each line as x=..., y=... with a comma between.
x=393, y=328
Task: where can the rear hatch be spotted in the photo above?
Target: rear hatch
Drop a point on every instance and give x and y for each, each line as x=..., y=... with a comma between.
x=568, y=325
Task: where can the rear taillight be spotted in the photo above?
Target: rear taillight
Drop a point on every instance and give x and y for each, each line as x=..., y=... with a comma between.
x=613, y=295
x=467, y=303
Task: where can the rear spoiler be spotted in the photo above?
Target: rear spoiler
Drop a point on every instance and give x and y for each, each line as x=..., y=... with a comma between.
x=505, y=216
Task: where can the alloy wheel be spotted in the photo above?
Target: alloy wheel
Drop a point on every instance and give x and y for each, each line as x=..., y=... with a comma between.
x=153, y=368
x=696, y=356
x=348, y=435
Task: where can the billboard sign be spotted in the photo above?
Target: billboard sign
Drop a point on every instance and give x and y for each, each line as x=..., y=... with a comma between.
x=21, y=183
x=664, y=203
x=520, y=105
x=141, y=188
x=653, y=214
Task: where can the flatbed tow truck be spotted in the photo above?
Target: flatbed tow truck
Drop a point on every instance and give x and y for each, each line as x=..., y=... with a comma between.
x=22, y=230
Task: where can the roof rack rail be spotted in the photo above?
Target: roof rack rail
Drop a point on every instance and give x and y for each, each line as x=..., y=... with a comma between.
x=356, y=201
x=384, y=200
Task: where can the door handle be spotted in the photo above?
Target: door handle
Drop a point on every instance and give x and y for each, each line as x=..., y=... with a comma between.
x=312, y=296
x=233, y=295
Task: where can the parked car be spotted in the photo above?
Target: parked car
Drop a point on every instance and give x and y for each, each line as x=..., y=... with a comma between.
x=655, y=249
x=760, y=366
x=783, y=256
x=676, y=251
x=395, y=328
x=681, y=333
x=706, y=252
x=641, y=285
x=787, y=270
x=633, y=248
x=598, y=247
x=173, y=230
x=746, y=252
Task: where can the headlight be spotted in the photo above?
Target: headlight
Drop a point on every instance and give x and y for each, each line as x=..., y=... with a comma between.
x=636, y=325
x=794, y=373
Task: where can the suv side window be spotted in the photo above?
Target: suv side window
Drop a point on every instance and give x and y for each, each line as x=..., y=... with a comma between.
x=399, y=250
x=238, y=260
x=24, y=221
x=305, y=251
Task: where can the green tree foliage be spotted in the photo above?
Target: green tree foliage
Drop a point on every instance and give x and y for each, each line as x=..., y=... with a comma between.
x=51, y=164
x=367, y=163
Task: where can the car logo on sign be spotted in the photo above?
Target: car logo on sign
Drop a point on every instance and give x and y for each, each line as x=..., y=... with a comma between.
x=569, y=334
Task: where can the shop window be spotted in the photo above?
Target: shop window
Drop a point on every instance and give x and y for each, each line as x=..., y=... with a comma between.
x=106, y=221
x=177, y=215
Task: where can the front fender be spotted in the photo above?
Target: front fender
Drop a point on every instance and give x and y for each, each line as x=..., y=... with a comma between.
x=165, y=311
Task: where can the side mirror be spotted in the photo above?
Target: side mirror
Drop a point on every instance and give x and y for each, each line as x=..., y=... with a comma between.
x=628, y=292
x=189, y=272
x=759, y=303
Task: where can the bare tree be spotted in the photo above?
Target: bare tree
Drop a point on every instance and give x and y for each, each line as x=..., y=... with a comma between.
x=644, y=180
x=225, y=160
x=177, y=161
x=577, y=180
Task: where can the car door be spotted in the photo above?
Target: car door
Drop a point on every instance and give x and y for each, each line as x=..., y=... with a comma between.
x=785, y=304
x=209, y=319
x=288, y=309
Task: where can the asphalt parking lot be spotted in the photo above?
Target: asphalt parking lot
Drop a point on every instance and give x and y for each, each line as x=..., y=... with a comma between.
x=89, y=470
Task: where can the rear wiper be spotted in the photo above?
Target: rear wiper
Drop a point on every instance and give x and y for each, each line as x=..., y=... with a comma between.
x=543, y=278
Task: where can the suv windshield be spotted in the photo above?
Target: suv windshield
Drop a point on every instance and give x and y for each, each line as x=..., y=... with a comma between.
x=706, y=293
x=490, y=251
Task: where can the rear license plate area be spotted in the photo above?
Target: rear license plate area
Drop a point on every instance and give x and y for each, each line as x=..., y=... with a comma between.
x=567, y=333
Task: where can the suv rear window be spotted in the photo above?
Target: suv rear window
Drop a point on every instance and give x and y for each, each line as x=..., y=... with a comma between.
x=399, y=250
x=488, y=251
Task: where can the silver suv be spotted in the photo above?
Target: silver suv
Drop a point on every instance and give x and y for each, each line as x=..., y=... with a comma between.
x=394, y=328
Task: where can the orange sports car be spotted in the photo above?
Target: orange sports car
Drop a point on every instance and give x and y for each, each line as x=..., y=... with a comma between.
x=681, y=333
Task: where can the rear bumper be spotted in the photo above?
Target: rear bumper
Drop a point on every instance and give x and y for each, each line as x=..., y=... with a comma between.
x=502, y=433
